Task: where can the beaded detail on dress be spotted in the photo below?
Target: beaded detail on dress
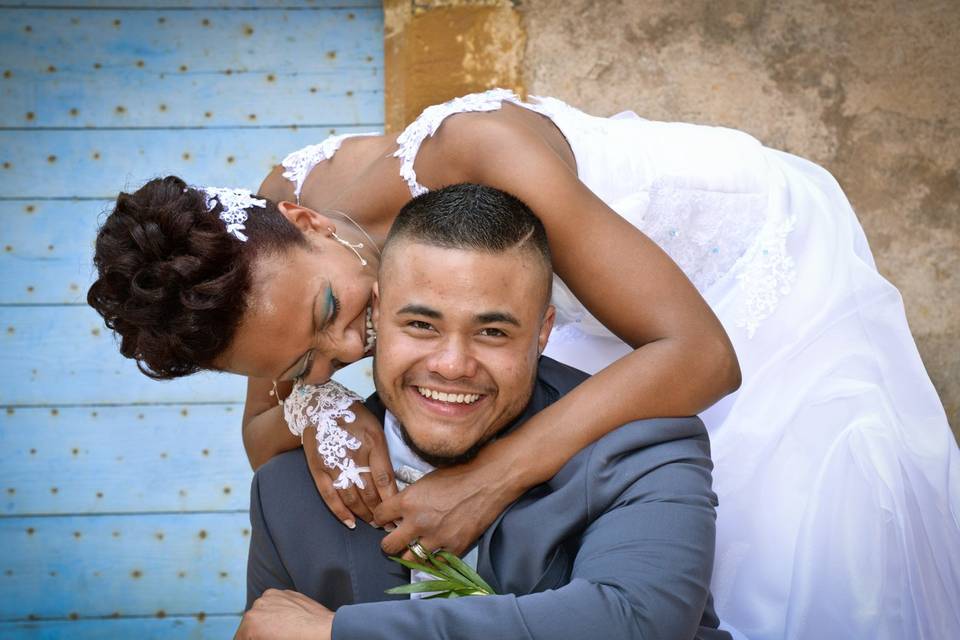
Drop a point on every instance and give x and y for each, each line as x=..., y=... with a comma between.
x=298, y=164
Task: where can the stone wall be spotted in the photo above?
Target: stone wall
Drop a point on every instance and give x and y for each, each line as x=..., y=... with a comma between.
x=867, y=89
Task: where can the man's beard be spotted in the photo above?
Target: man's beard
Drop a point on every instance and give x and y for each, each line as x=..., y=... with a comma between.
x=438, y=461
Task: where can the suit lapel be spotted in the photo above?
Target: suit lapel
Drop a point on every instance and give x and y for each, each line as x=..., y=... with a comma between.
x=513, y=565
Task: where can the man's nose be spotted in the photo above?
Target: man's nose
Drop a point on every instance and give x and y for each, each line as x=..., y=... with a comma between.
x=453, y=360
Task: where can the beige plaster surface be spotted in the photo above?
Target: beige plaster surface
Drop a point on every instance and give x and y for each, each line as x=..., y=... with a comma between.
x=435, y=50
x=869, y=89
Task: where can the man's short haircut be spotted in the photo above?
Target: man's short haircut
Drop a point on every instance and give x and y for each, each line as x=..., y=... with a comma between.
x=472, y=217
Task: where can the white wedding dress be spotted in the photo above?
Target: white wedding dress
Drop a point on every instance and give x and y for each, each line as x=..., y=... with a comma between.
x=838, y=477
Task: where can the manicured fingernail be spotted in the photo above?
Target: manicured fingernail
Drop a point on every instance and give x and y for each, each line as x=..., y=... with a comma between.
x=351, y=524
x=388, y=527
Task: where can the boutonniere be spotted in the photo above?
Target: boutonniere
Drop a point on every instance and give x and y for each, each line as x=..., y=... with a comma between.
x=454, y=577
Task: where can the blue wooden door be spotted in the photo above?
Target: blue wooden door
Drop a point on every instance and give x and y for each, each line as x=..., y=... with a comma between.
x=124, y=511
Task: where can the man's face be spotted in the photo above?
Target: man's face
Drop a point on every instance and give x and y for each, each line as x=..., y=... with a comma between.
x=459, y=335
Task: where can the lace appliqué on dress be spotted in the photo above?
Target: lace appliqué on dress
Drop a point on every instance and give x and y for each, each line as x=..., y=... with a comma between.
x=768, y=274
x=705, y=232
x=300, y=163
x=711, y=233
x=321, y=406
x=408, y=142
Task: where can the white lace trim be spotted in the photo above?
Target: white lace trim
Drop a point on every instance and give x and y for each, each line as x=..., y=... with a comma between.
x=427, y=123
x=322, y=406
x=301, y=162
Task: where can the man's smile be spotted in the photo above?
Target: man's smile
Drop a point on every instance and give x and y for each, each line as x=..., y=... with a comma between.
x=453, y=396
x=446, y=404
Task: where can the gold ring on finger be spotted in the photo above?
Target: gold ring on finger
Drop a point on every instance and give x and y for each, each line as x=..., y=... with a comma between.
x=418, y=550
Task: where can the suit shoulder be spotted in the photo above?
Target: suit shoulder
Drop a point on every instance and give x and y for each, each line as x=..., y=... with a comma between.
x=680, y=435
x=283, y=473
x=659, y=459
x=644, y=445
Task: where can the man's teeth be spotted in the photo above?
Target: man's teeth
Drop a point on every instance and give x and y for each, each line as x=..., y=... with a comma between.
x=371, y=332
x=459, y=398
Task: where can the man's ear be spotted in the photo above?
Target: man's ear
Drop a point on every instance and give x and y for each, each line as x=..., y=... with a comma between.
x=304, y=218
x=549, y=316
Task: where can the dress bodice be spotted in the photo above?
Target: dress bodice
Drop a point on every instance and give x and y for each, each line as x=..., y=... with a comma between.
x=699, y=192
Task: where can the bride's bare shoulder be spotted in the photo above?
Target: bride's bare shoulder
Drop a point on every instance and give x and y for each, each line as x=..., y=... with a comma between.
x=276, y=187
x=467, y=142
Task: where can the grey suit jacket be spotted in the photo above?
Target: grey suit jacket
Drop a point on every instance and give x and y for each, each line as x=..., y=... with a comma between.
x=619, y=544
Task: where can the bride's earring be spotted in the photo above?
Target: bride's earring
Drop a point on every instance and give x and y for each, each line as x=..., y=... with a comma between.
x=276, y=394
x=349, y=245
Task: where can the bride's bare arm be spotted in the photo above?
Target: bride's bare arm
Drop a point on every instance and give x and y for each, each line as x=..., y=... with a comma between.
x=683, y=360
x=265, y=432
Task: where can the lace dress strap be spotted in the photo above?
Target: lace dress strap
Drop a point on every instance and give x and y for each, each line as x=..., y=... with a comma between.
x=301, y=162
x=427, y=123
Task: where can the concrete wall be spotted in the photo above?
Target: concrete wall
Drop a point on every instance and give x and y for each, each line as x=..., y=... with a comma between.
x=867, y=89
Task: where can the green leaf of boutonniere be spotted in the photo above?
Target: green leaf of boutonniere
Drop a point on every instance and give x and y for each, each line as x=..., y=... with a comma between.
x=455, y=578
x=463, y=568
x=426, y=586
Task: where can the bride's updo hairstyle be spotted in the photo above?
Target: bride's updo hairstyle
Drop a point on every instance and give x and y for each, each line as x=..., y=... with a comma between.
x=171, y=282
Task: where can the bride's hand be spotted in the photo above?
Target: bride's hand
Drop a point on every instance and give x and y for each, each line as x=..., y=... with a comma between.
x=448, y=508
x=379, y=484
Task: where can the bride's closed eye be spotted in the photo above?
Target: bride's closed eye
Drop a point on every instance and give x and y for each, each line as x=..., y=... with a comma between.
x=307, y=362
x=321, y=321
x=335, y=304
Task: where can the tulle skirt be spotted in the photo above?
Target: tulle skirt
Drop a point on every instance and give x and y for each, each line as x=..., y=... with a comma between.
x=837, y=474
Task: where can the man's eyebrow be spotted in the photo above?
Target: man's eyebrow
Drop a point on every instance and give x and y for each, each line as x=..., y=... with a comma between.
x=420, y=310
x=313, y=332
x=494, y=317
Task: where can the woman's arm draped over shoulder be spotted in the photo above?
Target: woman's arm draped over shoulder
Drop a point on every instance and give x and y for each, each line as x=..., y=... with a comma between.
x=265, y=432
x=683, y=360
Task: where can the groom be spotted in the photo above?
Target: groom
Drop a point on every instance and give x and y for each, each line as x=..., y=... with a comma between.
x=618, y=544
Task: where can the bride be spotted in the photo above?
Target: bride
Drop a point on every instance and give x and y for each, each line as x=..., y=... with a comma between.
x=836, y=472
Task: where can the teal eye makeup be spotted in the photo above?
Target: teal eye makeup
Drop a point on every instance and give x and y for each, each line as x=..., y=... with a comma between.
x=333, y=307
